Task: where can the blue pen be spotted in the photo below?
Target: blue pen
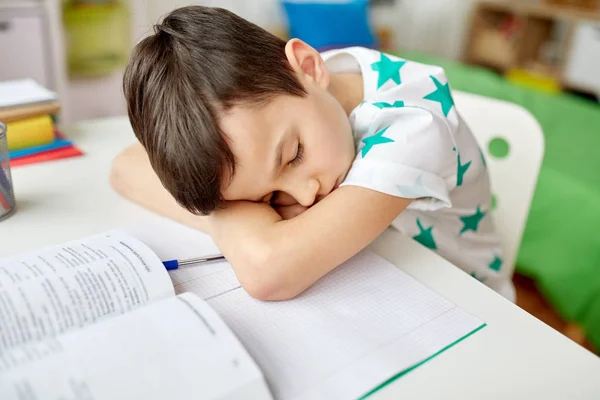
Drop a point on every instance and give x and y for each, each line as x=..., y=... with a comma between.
x=174, y=264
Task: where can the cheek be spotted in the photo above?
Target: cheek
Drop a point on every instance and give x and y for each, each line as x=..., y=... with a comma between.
x=333, y=150
x=342, y=140
x=333, y=144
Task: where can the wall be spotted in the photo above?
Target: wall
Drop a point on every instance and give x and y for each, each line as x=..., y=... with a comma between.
x=434, y=26
x=81, y=98
x=266, y=13
x=438, y=27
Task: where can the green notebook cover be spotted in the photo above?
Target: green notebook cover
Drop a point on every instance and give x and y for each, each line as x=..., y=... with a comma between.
x=407, y=370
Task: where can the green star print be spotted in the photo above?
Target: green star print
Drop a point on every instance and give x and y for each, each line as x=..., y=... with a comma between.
x=441, y=95
x=462, y=170
x=471, y=222
x=496, y=264
x=371, y=141
x=387, y=69
x=396, y=104
x=426, y=236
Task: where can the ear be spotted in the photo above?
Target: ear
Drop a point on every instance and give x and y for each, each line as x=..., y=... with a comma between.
x=307, y=62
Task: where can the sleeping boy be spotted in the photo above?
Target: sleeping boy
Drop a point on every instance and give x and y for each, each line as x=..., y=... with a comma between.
x=294, y=161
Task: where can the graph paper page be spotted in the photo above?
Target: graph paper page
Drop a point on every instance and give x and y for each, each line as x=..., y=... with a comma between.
x=362, y=324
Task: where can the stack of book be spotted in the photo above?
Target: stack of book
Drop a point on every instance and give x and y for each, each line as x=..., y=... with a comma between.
x=29, y=112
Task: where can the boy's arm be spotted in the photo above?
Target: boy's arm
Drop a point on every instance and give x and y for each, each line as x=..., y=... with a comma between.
x=132, y=176
x=274, y=259
x=277, y=259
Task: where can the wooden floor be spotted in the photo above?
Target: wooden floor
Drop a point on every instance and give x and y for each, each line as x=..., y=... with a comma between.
x=530, y=299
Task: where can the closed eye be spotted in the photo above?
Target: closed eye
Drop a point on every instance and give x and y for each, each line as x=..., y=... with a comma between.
x=299, y=155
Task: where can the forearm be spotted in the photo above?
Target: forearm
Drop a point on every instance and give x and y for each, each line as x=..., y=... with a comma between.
x=241, y=236
x=277, y=259
x=326, y=235
x=132, y=176
x=240, y=231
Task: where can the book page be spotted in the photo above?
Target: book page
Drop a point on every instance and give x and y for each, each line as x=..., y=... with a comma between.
x=170, y=240
x=23, y=91
x=362, y=324
x=64, y=287
x=177, y=348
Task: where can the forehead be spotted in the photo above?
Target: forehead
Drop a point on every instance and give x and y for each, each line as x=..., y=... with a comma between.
x=247, y=128
x=252, y=134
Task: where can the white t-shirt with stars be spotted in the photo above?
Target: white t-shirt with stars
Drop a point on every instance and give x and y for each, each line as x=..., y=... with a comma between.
x=412, y=143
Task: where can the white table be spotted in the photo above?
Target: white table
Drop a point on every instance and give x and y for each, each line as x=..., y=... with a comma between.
x=516, y=356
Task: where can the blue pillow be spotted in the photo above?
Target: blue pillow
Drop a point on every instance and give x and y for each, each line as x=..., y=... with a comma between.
x=326, y=25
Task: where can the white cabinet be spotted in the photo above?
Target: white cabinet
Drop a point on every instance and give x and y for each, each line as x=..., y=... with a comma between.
x=24, y=51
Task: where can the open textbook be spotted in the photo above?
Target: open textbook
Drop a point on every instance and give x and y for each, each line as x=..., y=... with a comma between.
x=100, y=318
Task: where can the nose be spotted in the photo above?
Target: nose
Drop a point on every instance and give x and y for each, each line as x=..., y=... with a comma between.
x=305, y=192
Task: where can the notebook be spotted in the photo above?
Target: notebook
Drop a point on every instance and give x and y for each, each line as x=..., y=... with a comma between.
x=30, y=132
x=358, y=329
x=27, y=111
x=59, y=153
x=59, y=148
x=23, y=92
x=101, y=318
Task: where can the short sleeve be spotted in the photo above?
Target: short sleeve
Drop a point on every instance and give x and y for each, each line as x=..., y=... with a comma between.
x=407, y=152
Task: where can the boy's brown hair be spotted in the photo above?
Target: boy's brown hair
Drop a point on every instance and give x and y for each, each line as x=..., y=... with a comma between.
x=199, y=63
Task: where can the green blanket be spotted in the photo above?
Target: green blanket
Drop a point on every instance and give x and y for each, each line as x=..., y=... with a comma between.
x=560, y=247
